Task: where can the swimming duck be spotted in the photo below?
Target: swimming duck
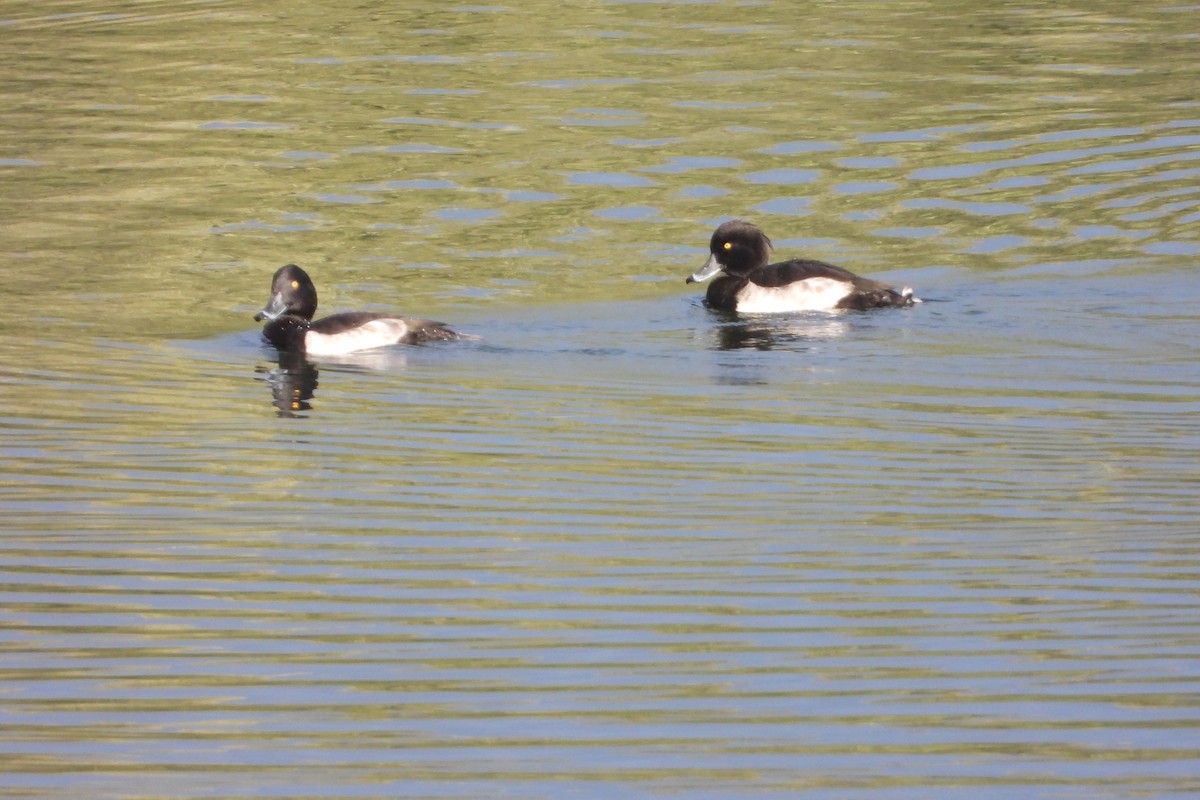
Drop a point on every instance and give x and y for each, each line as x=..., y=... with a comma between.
x=290, y=326
x=739, y=251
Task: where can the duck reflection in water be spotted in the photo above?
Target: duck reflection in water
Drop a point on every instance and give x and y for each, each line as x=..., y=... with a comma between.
x=293, y=383
x=294, y=379
x=762, y=332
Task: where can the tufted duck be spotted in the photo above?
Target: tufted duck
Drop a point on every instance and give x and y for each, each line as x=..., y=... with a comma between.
x=741, y=251
x=290, y=326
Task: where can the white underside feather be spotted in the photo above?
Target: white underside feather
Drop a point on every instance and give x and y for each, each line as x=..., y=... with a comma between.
x=376, y=333
x=811, y=294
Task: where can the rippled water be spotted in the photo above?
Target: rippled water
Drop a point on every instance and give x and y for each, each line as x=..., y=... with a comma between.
x=617, y=545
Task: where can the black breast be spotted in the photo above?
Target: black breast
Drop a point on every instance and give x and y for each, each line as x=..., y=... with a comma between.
x=286, y=332
x=722, y=292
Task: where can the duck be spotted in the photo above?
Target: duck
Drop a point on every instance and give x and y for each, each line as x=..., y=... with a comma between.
x=739, y=252
x=290, y=327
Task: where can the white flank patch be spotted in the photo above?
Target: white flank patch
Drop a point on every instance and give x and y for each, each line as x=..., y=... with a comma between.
x=812, y=294
x=376, y=333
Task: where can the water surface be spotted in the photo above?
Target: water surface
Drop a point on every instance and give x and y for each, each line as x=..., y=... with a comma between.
x=617, y=544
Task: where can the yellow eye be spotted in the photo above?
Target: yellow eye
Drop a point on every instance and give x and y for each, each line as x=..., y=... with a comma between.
x=728, y=245
x=295, y=284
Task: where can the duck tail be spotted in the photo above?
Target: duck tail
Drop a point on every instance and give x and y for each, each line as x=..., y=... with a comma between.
x=424, y=330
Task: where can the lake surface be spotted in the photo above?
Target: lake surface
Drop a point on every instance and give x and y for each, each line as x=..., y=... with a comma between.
x=617, y=545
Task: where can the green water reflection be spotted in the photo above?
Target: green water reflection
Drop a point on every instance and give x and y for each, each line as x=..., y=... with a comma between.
x=162, y=159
